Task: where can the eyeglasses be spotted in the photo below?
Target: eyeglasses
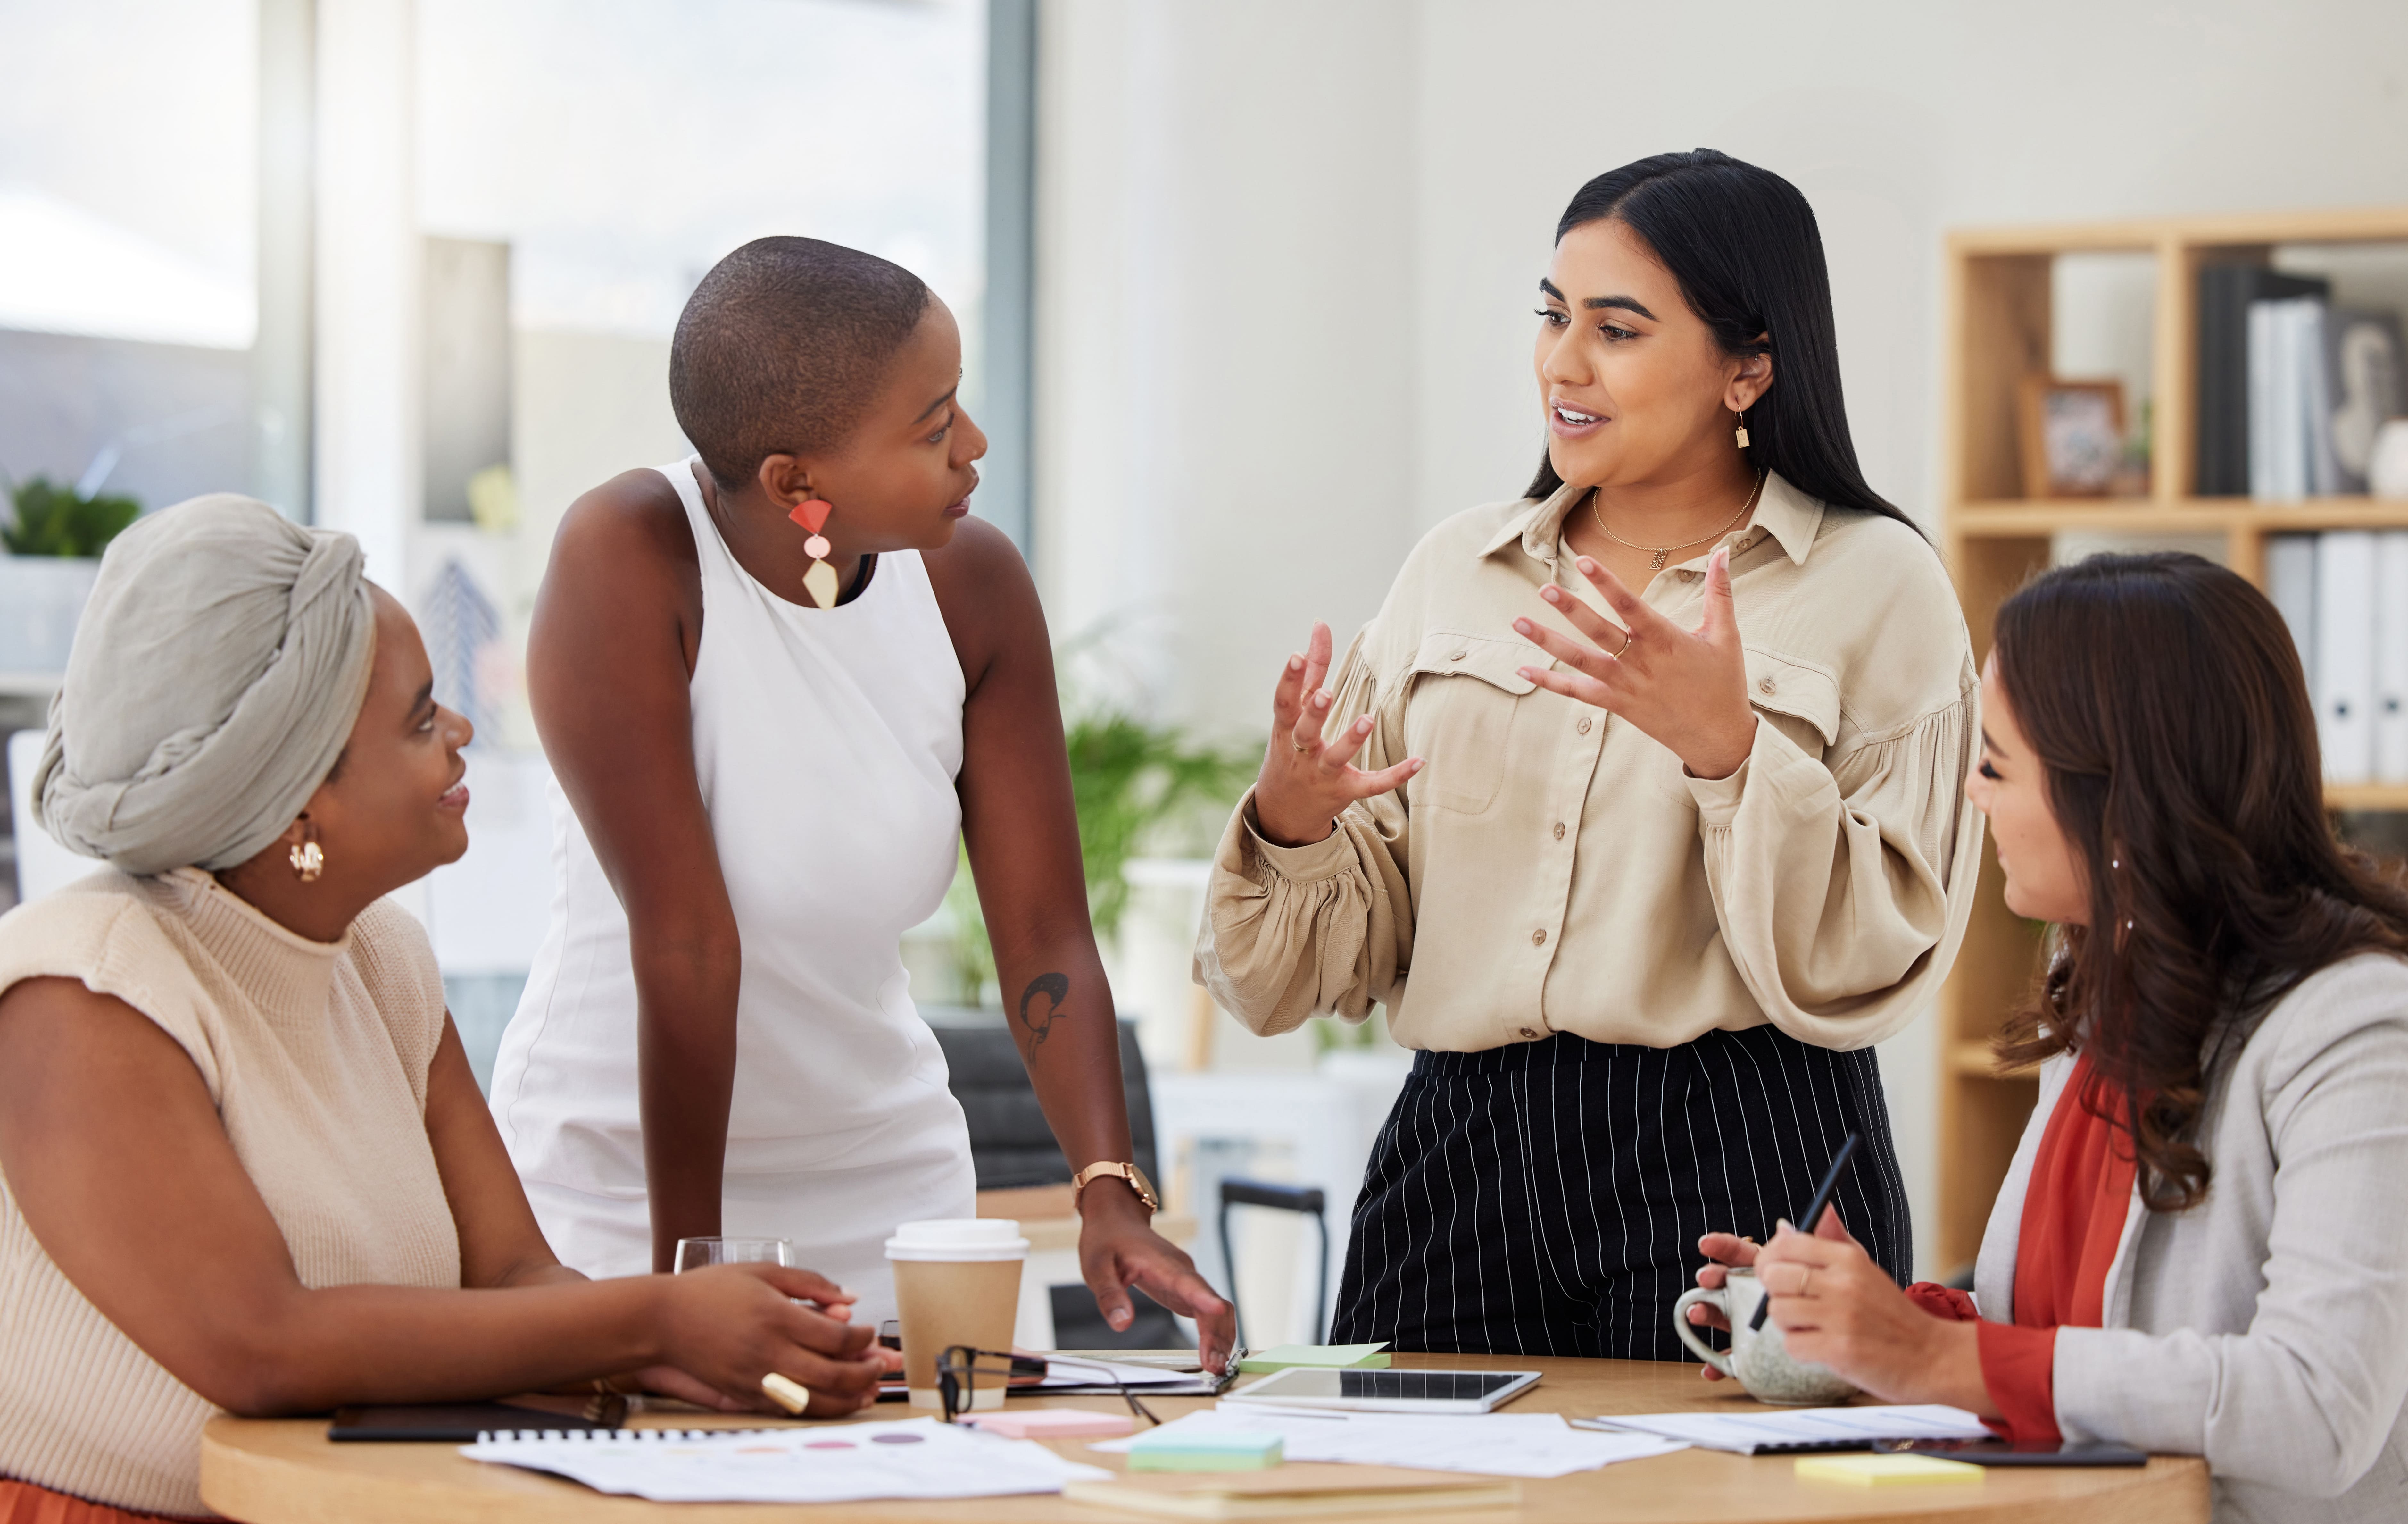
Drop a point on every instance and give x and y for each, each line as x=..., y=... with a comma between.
x=957, y=1371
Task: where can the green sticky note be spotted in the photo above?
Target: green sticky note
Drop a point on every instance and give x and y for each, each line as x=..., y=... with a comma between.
x=1173, y=1450
x=1324, y=1357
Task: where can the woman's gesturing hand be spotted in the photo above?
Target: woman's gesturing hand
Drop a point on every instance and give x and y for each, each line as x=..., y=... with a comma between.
x=1307, y=782
x=730, y=1325
x=1687, y=688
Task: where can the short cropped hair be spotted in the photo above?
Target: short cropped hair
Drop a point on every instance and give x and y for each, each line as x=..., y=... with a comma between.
x=781, y=348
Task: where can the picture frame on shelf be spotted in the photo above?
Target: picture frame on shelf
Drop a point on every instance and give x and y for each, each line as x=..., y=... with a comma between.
x=2072, y=437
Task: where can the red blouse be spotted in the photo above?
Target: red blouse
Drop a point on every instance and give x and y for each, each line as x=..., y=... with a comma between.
x=2074, y=1208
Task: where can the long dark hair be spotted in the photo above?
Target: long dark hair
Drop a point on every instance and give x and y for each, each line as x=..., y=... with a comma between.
x=1743, y=246
x=2167, y=704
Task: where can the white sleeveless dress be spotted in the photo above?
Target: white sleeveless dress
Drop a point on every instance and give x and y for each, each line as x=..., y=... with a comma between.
x=826, y=741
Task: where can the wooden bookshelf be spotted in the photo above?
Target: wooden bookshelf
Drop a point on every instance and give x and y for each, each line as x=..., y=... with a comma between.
x=1998, y=332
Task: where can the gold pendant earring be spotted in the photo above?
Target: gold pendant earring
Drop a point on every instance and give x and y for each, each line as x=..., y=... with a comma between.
x=1741, y=433
x=308, y=860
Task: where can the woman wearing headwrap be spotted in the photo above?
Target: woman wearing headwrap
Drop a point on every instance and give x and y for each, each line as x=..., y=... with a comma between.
x=243, y=1162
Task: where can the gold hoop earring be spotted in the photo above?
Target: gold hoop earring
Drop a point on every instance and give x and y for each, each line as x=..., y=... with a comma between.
x=308, y=860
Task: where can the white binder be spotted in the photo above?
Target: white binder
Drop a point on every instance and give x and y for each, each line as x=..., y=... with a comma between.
x=2291, y=584
x=2265, y=476
x=2392, y=656
x=2344, y=686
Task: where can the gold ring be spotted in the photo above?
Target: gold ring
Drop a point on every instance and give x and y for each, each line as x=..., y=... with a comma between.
x=1805, y=1273
x=1299, y=745
x=1627, y=636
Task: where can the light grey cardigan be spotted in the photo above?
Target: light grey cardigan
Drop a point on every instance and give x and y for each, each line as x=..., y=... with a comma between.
x=2267, y=1327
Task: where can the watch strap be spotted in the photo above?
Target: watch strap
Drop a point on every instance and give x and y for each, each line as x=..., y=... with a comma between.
x=1114, y=1169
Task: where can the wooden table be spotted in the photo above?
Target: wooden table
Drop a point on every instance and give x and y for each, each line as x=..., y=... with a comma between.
x=285, y=1472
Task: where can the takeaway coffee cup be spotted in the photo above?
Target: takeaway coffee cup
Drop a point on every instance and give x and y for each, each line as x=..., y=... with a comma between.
x=1759, y=1358
x=956, y=1282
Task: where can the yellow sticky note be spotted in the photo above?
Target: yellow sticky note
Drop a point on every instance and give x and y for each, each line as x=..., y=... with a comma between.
x=1886, y=1470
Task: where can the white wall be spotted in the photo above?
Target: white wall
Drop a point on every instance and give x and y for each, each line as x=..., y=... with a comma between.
x=1225, y=293
x=1288, y=254
x=367, y=276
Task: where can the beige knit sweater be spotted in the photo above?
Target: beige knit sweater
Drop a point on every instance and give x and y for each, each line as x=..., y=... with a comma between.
x=317, y=1057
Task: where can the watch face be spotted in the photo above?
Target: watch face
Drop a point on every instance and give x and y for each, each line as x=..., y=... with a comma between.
x=1145, y=1190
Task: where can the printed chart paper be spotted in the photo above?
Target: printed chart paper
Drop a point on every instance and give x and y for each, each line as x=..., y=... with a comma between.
x=853, y=1462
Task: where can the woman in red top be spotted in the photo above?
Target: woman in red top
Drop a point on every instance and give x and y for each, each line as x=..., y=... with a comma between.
x=2210, y=1179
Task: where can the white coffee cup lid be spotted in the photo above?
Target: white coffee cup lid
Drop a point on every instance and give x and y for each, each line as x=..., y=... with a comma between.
x=958, y=1239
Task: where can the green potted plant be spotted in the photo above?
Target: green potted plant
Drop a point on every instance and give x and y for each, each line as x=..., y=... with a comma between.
x=1140, y=788
x=54, y=536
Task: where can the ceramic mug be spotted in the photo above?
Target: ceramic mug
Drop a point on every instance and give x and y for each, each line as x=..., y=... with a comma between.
x=1759, y=1358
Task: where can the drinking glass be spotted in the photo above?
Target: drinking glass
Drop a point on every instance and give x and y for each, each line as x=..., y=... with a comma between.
x=694, y=1252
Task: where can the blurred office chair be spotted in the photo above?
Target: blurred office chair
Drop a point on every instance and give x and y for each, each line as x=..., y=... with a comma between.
x=1010, y=1141
x=1278, y=1198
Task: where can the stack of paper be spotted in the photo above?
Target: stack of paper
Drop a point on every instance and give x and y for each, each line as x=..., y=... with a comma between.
x=1799, y=1428
x=822, y=1463
x=1533, y=1444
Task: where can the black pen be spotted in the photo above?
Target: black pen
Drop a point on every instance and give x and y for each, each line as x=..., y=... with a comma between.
x=1814, y=1209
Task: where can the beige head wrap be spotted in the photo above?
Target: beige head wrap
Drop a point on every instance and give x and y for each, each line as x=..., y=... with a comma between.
x=214, y=678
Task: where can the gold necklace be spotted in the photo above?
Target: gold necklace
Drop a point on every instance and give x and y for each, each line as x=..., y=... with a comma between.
x=1660, y=555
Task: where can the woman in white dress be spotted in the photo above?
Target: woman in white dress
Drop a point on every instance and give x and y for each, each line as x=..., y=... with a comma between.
x=778, y=682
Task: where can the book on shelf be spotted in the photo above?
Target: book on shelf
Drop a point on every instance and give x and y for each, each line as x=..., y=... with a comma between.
x=2344, y=596
x=2225, y=294
x=2290, y=433
x=2319, y=382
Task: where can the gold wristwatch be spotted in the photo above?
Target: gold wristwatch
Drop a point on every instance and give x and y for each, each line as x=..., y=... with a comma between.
x=1110, y=1171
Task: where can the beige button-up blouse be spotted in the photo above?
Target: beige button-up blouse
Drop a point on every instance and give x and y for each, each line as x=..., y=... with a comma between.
x=1553, y=869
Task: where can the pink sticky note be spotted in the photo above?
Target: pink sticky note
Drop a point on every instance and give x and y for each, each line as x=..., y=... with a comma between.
x=1053, y=1423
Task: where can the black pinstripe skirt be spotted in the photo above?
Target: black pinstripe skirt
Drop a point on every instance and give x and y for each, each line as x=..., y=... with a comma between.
x=1547, y=1198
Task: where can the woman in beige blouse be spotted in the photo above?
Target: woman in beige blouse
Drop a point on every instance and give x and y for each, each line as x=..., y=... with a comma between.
x=1640, y=806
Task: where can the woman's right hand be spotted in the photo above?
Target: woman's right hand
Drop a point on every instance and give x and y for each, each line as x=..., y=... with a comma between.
x=730, y=1325
x=1308, y=782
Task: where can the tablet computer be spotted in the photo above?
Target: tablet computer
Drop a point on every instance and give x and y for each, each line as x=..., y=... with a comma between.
x=2000, y=1452
x=1388, y=1391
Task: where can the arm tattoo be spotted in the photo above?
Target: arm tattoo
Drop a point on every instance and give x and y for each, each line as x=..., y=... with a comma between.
x=1055, y=987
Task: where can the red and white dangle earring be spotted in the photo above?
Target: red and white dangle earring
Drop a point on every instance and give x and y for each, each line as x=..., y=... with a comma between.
x=820, y=580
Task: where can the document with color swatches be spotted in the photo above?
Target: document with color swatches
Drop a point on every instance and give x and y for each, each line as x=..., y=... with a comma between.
x=849, y=1463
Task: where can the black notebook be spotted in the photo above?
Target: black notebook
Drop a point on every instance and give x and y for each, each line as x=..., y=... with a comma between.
x=455, y=1423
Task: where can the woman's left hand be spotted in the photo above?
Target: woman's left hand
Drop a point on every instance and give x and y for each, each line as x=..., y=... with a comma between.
x=1687, y=688
x=1118, y=1248
x=1837, y=1308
